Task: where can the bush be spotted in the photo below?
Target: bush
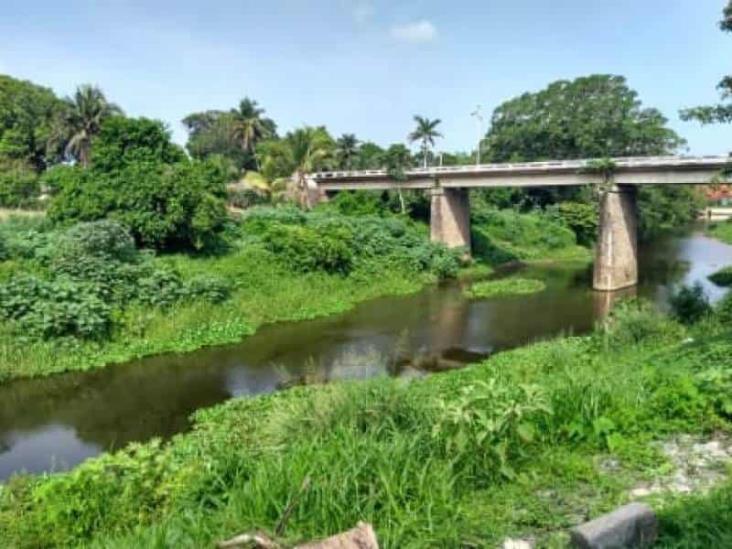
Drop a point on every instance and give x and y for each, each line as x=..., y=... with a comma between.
x=212, y=289
x=690, y=304
x=166, y=201
x=19, y=188
x=723, y=310
x=578, y=216
x=634, y=322
x=60, y=307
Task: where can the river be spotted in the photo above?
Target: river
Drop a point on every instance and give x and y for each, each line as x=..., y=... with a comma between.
x=52, y=424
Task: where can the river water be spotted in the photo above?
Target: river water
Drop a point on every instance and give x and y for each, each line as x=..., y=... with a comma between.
x=54, y=423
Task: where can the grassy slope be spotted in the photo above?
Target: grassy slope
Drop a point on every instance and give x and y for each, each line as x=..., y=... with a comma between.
x=722, y=231
x=403, y=455
x=266, y=292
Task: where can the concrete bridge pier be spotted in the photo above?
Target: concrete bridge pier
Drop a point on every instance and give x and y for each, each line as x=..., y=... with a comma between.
x=450, y=217
x=616, y=259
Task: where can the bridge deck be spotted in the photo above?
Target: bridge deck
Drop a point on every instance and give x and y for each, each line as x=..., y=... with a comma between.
x=672, y=170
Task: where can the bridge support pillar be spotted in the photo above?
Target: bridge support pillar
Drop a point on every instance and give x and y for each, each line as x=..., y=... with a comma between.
x=616, y=258
x=450, y=217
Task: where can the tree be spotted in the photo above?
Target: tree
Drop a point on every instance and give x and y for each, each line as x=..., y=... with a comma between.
x=233, y=134
x=398, y=160
x=298, y=154
x=595, y=116
x=86, y=111
x=347, y=149
x=30, y=118
x=426, y=132
x=249, y=126
x=370, y=157
x=722, y=112
x=138, y=177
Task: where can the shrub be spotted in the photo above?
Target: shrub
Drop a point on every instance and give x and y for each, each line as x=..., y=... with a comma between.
x=19, y=188
x=634, y=322
x=60, y=307
x=578, y=216
x=690, y=304
x=209, y=288
x=723, y=310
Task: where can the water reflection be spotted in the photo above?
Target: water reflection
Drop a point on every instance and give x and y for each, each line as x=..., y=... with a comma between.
x=53, y=423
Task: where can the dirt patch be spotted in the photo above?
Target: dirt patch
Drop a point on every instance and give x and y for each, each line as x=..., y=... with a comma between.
x=698, y=465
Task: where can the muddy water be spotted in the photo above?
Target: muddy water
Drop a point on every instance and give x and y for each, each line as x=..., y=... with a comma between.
x=54, y=423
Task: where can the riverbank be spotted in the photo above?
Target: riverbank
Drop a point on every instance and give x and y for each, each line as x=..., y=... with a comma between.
x=524, y=445
x=722, y=231
x=269, y=283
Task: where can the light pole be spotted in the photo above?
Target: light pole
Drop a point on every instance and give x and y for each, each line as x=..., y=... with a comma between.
x=479, y=118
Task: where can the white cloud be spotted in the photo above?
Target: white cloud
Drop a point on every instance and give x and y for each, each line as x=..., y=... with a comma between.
x=363, y=11
x=417, y=32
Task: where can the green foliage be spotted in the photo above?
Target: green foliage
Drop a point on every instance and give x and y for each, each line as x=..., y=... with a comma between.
x=724, y=309
x=29, y=120
x=500, y=236
x=661, y=208
x=504, y=286
x=60, y=307
x=596, y=116
x=131, y=179
x=690, y=304
x=232, y=134
x=19, y=187
x=578, y=216
x=634, y=322
x=722, y=231
x=324, y=241
x=124, y=142
x=723, y=277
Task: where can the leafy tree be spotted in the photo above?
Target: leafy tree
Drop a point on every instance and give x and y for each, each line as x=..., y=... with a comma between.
x=29, y=124
x=124, y=141
x=596, y=116
x=723, y=111
x=425, y=132
x=370, y=157
x=138, y=177
x=85, y=113
x=233, y=134
x=347, y=149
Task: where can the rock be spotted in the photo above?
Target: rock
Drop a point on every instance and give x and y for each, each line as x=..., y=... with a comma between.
x=360, y=537
x=509, y=543
x=632, y=525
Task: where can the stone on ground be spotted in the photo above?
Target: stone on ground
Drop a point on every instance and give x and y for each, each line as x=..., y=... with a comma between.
x=360, y=537
x=632, y=525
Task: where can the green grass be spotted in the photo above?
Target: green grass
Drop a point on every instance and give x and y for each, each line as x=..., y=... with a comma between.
x=504, y=286
x=722, y=231
x=513, y=446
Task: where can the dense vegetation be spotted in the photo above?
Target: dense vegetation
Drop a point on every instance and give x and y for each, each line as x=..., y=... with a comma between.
x=527, y=443
x=85, y=296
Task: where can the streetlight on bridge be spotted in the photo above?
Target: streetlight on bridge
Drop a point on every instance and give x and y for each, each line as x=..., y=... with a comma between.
x=478, y=114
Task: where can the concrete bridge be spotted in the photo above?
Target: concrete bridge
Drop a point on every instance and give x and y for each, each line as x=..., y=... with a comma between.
x=616, y=262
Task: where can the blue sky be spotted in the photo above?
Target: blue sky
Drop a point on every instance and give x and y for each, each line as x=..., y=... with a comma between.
x=366, y=66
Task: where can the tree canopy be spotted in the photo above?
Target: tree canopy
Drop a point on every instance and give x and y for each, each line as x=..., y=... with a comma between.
x=233, y=134
x=30, y=124
x=85, y=112
x=589, y=117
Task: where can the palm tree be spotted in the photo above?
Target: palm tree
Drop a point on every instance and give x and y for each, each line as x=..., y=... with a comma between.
x=347, y=148
x=272, y=189
x=85, y=113
x=426, y=132
x=248, y=126
x=311, y=149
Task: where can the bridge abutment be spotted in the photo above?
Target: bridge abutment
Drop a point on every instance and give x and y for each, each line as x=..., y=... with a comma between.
x=616, y=256
x=450, y=217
